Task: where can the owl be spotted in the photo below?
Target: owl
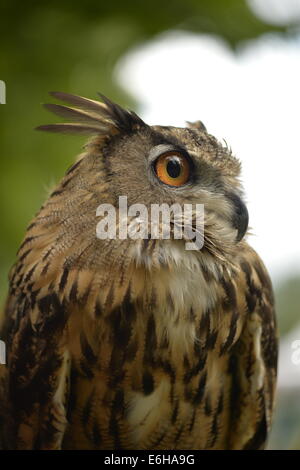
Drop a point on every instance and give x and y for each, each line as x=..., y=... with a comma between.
x=138, y=343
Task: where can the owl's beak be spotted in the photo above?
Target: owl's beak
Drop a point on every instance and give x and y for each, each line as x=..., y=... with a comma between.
x=243, y=221
x=240, y=217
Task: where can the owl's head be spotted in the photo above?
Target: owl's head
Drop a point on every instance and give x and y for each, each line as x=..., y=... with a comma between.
x=154, y=165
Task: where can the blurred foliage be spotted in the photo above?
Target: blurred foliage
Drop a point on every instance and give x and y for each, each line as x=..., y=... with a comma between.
x=287, y=296
x=73, y=46
x=285, y=432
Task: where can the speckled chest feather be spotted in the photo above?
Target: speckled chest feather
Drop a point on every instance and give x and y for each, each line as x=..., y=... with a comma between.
x=158, y=376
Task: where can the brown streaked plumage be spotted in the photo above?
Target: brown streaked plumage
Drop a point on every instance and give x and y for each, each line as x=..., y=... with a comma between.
x=137, y=344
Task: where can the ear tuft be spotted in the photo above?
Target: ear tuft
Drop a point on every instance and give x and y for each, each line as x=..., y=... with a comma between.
x=197, y=125
x=124, y=119
x=91, y=117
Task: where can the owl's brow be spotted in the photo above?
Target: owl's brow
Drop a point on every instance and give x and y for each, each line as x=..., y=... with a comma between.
x=159, y=149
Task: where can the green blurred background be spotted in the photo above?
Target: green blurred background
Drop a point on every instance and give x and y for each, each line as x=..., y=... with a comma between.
x=74, y=47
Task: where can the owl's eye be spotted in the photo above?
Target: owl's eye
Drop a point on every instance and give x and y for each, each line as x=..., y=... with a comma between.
x=173, y=169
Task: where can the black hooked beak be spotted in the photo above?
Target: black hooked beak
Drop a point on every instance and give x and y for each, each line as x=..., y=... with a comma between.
x=240, y=217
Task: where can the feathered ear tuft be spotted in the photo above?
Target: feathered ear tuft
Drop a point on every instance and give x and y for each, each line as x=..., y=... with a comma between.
x=125, y=120
x=197, y=125
x=91, y=117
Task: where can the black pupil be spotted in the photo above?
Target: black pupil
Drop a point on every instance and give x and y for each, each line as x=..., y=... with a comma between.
x=174, y=167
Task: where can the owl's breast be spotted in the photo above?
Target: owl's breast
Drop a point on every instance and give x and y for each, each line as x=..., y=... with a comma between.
x=185, y=411
x=158, y=378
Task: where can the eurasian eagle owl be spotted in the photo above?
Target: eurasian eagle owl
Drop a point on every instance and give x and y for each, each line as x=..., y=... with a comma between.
x=138, y=343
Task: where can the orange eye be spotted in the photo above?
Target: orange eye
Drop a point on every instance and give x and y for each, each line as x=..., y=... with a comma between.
x=172, y=169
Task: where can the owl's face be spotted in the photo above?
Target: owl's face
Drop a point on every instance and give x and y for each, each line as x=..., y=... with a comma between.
x=155, y=165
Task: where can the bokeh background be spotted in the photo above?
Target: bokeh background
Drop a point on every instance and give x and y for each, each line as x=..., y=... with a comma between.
x=234, y=64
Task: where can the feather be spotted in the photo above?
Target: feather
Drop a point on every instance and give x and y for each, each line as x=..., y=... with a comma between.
x=67, y=128
x=125, y=120
x=80, y=101
x=77, y=115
